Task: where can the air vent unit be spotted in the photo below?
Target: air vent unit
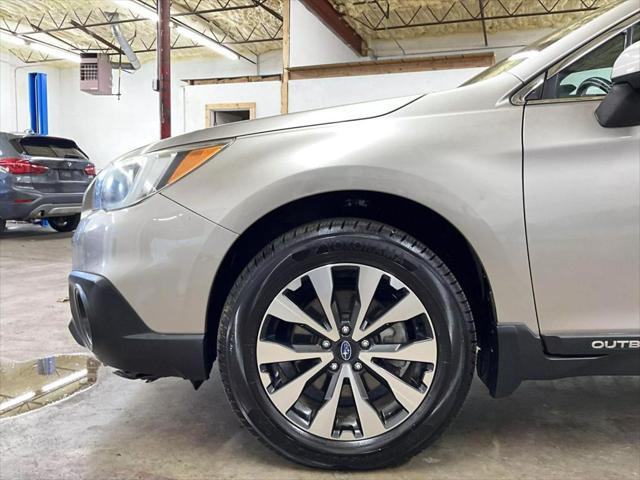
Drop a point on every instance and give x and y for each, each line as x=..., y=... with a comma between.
x=95, y=74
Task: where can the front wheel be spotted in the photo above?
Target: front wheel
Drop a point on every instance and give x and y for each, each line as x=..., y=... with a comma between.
x=346, y=344
x=64, y=224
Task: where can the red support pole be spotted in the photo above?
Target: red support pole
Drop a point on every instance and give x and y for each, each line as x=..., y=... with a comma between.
x=164, y=67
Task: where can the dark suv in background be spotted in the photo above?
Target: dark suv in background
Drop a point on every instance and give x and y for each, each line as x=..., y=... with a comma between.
x=42, y=177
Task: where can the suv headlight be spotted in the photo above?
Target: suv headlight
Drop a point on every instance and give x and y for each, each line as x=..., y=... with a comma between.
x=132, y=178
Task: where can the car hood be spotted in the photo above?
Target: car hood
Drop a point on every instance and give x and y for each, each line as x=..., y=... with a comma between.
x=346, y=113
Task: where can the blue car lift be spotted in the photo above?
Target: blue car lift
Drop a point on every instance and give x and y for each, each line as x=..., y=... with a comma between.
x=38, y=110
x=38, y=103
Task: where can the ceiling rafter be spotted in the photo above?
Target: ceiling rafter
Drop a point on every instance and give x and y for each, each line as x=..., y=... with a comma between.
x=85, y=30
x=251, y=27
x=383, y=15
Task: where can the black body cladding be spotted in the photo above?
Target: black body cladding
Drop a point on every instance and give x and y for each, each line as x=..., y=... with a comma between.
x=105, y=323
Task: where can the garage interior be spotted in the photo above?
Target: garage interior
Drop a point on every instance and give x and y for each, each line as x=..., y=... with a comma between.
x=119, y=74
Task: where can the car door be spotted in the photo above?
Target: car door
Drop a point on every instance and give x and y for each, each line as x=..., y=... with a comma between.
x=581, y=195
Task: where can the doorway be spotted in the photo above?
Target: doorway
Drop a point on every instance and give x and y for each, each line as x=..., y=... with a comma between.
x=222, y=113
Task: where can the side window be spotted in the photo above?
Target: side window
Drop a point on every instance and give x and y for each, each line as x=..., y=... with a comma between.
x=590, y=75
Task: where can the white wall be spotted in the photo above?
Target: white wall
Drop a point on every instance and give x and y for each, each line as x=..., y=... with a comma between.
x=106, y=127
x=324, y=92
x=502, y=43
x=266, y=96
x=316, y=93
x=7, y=95
x=312, y=43
x=270, y=63
x=14, y=94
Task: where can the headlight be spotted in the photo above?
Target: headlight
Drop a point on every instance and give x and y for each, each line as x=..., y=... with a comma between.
x=131, y=179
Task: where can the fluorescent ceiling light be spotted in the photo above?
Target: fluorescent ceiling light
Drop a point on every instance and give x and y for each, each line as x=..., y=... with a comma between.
x=14, y=402
x=149, y=13
x=204, y=41
x=40, y=47
x=139, y=9
x=55, y=52
x=12, y=39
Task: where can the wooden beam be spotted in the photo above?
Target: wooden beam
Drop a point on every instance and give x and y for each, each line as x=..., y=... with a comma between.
x=323, y=9
x=220, y=81
x=402, y=65
x=286, y=56
x=353, y=69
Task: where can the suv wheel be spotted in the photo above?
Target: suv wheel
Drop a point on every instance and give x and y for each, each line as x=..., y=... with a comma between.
x=64, y=224
x=346, y=344
x=3, y=224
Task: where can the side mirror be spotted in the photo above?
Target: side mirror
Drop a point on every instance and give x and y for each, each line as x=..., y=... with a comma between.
x=621, y=106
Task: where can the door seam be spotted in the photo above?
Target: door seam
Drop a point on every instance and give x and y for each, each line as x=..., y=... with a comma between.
x=524, y=217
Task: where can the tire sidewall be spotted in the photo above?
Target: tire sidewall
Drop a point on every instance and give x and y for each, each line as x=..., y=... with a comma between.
x=73, y=221
x=410, y=263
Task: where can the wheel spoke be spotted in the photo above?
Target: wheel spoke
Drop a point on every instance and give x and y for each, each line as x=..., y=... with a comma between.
x=427, y=378
x=407, y=308
x=425, y=351
x=284, y=309
x=368, y=281
x=370, y=421
x=286, y=396
x=409, y=397
x=317, y=302
x=326, y=417
x=272, y=352
x=322, y=281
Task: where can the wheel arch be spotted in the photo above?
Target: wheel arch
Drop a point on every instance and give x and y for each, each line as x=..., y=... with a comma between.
x=414, y=218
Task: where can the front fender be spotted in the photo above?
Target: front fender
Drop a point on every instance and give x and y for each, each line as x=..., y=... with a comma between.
x=475, y=185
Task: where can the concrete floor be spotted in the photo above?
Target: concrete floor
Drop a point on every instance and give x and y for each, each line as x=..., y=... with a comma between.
x=576, y=428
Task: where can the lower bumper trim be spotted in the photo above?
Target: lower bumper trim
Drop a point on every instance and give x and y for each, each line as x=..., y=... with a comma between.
x=104, y=322
x=33, y=204
x=517, y=354
x=53, y=210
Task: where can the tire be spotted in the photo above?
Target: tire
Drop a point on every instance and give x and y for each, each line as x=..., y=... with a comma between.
x=3, y=224
x=346, y=247
x=64, y=224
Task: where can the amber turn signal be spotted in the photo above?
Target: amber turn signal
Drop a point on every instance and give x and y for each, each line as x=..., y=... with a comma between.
x=193, y=160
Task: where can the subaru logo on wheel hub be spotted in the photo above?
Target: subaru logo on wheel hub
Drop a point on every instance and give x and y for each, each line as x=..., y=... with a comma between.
x=345, y=351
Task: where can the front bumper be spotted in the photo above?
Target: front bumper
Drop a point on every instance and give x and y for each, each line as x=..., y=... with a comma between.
x=140, y=287
x=160, y=256
x=104, y=322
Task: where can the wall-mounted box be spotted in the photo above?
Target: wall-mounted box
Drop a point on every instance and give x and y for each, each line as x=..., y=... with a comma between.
x=95, y=74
